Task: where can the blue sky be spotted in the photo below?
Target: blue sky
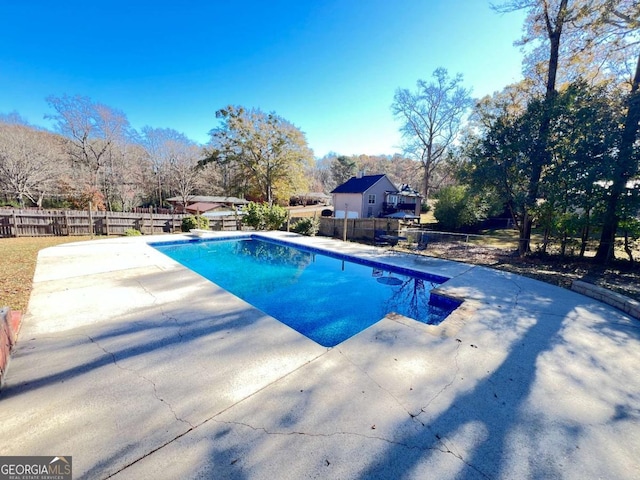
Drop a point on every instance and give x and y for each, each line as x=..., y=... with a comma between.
x=329, y=67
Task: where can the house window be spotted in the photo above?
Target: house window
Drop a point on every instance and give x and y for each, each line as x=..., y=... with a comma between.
x=372, y=198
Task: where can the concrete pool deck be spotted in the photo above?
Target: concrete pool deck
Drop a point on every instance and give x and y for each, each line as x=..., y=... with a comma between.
x=139, y=368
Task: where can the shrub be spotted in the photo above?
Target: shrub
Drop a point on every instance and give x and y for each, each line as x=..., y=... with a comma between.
x=56, y=203
x=307, y=226
x=116, y=206
x=457, y=208
x=253, y=215
x=274, y=217
x=89, y=197
x=132, y=232
x=263, y=216
x=194, y=221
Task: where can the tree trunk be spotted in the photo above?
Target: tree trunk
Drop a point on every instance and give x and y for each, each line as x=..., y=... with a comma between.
x=545, y=240
x=525, y=235
x=159, y=192
x=586, y=230
x=541, y=156
x=627, y=247
x=427, y=182
x=624, y=169
x=426, y=164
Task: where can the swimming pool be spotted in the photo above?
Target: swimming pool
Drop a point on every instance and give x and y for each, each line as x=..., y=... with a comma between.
x=326, y=297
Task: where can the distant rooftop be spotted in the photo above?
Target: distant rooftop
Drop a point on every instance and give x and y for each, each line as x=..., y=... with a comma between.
x=201, y=207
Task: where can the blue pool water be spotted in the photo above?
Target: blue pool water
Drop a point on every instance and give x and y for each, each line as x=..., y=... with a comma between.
x=326, y=298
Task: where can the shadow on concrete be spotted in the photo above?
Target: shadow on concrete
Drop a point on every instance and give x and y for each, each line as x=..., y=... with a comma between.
x=207, y=325
x=495, y=422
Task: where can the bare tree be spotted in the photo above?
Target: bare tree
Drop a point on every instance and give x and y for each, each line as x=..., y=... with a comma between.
x=93, y=131
x=29, y=162
x=320, y=179
x=574, y=33
x=213, y=180
x=184, y=173
x=127, y=171
x=431, y=118
x=14, y=118
x=174, y=162
x=157, y=143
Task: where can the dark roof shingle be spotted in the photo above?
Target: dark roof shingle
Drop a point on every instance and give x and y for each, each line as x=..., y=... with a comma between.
x=358, y=185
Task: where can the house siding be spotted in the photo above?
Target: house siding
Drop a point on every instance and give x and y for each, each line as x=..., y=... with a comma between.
x=359, y=206
x=354, y=202
x=379, y=189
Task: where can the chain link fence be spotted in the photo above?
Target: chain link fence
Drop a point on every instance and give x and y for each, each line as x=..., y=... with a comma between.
x=488, y=248
x=453, y=246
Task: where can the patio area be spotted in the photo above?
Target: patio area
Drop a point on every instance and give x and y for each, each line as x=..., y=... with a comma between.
x=139, y=368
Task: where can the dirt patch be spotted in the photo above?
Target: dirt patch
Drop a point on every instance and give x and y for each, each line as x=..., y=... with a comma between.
x=619, y=276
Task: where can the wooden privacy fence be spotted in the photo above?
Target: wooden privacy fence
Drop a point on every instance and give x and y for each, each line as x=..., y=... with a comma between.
x=358, y=228
x=40, y=223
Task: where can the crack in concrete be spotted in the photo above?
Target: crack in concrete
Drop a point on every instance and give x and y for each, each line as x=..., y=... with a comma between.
x=206, y=420
x=443, y=441
x=516, y=300
x=414, y=417
x=162, y=311
x=174, y=320
x=443, y=389
x=328, y=435
x=444, y=449
x=397, y=400
x=471, y=268
x=139, y=375
x=149, y=453
x=460, y=457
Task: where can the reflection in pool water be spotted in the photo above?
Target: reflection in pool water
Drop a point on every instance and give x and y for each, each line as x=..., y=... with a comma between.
x=328, y=299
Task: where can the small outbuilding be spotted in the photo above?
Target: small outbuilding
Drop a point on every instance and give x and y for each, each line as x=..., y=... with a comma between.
x=197, y=204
